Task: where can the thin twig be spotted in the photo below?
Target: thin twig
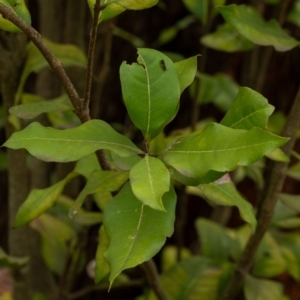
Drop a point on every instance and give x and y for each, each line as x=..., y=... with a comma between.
x=265, y=211
x=91, y=52
x=152, y=275
x=9, y=14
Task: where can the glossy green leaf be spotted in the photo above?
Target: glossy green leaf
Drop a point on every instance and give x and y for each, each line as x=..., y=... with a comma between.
x=19, y=7
x=262, y=289
x=150, y=180
x=186, y=71
x=250, y=24
x=99, y=181
x=151, y=91
x=219, y=89
x=198, y=7
x=39, y=201
x=191, y=279
x=136, y=232
x=221, y=149
x=215, y=242
x=51, y=144
x=68, y=55
x=102, y=268
x=249, y=109
x=55, y=235
x=294, y=14
x=32, y=110
x=226, y=194
x=226, y=39
x=118, y=6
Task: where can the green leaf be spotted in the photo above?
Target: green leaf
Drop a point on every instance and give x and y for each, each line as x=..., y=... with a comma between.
x=102, y=268
x=55, y=235
x=118, y=6
x=249, y=109
x=32, y=110
x=136, y=232
x=186, y=71
x=225, y=194
x=294, y=171
x=11, y=261
x=278, y=155
x=151, y=91
x=51, y=144
x=250, y=24
x=86, y=165
x=68, y=55
x=150, y=180
x=192, y=278
x=221, y=149
x=39, y=201
x=99, y=181
x=226, y=39
x=215, y=242
x=262, y=289
x=19, y=7
x=198, y=8
x=294, y=14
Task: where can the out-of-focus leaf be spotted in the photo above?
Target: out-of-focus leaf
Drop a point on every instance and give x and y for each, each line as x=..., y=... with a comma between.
x=278, y=155
x=294, y=14
x=136, y=232
x=128, y=36
x=11, y=261
x=221, y=149
x=51, y=144
x=32, y=110
x=225, y=194
x=102, y=268
x=151, y=91
x=226, y=39
x=198, y=8
x=86, y=165
x=247, y=22
x=19, y=7
x=262, y=289
x=150, y=180
x=294, y=171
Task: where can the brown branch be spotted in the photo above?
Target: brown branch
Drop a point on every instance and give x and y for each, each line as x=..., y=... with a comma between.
x=152, y=275
x=91, y=52
x=9, y=14
x=265, y=212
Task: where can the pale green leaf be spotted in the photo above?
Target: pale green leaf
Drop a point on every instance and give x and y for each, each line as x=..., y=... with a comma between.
x=278, y=155
x=68, y=55
x=221, y=149
x=226, y=39
x=249, y=109
x=262, y=289
x=150, y=180
x=19, y=7
x=51, y=144
x=38, y=201
x=226, y=194
x=151, y=91
x=247, y=22
x=186, y=71
x=294, y=171
x=198, y=7
x=136, y=232
x=192, y=279
x=98, y=182
x=102, y=268
x=118, y=6
x=86, y=165
x=124, y=163
x=32, y=110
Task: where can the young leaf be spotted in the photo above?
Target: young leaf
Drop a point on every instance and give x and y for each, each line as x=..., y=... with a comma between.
x=136, y=232
x=250, y=24
x=226, y=39
x=226, y=194
x=19, y=7
x=150, y=179
x=51, y=144
x=32, y=110
x=118, y=6
x=151, y=91
x=102, y=268
x=249, y=109
x=186, y=71
x=39, y=201
x=220, y=148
